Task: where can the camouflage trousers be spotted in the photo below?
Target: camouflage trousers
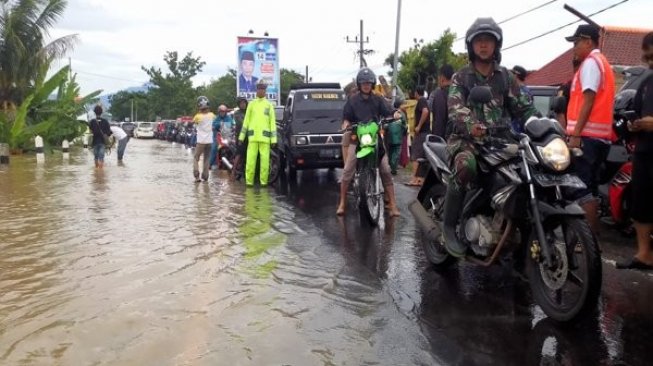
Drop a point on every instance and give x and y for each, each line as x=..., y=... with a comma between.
x=464, y=167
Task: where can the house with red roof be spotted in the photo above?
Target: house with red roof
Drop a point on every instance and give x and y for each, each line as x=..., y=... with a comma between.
x=622, y=47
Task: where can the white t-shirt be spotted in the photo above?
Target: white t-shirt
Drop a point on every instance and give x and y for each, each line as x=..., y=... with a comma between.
x=204, y=123
x=118, y=133
x=590, y=74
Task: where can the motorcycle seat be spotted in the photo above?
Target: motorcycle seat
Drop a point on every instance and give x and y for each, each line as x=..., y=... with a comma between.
x=440, y=150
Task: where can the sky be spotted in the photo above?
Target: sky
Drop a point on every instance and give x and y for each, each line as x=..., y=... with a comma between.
x=118, y=36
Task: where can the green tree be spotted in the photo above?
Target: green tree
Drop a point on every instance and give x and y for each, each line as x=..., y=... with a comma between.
x=173, y=94
x=121, y=106
x=288, y=79
x=24, y=26
x=222, y=90
x=420, y=64
x=52, y=118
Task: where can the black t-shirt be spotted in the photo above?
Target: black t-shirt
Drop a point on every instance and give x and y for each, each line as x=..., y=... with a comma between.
x=440, y=112
x=359, y=109
x=644, y=107
x=421, y=104
x=99, y=127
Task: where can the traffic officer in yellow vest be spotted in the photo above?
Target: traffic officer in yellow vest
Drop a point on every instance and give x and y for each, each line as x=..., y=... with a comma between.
x=260, y=128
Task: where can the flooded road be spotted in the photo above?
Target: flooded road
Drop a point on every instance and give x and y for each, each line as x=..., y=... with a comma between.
x=138, y=265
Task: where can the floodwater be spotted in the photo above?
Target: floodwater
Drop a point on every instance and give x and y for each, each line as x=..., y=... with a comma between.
x=138, y=265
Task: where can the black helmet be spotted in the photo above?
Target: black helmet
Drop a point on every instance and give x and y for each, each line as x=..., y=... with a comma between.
x=365, y=75
x=484, y=26
x=202, y=102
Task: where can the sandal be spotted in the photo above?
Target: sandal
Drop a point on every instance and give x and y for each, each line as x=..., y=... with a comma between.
x=634, y=263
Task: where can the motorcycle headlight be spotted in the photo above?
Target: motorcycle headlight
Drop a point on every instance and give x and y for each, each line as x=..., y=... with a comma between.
x=366, y=139
x=301, y=140
x=555, y=155
x=225, y=141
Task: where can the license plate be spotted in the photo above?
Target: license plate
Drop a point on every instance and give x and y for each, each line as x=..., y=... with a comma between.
x=565, y=180
x=329, y=153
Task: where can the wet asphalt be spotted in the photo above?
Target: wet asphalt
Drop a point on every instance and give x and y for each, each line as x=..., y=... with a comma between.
x=138, y=265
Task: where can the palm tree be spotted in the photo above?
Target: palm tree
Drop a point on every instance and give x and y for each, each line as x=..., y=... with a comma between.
x=24, y=46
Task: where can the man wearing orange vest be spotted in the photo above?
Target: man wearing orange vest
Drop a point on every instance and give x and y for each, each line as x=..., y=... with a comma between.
x=589, y=116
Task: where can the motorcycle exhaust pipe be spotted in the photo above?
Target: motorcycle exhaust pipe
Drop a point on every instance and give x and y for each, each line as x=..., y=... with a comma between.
x=430, y=228
x=227, y=163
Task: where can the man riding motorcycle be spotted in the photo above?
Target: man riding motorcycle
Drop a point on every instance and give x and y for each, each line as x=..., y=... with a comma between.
x=222, y=124
x=239, y=118
x=483, y=41
x=364, y=107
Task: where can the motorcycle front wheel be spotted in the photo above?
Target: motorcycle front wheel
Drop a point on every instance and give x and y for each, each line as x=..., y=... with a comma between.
x=369, y=201
x=572, y=287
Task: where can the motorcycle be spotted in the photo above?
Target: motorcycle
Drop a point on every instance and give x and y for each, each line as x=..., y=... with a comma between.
x=367, y=186
x=227, y=151
x=190, y=136
x=617, y=171
x=518, y=208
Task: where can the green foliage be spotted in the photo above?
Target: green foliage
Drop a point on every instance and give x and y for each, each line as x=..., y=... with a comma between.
x=24, y=26
x=221, y=91
x=52, y=118
x=173, y=94
x=419, y=65
x=288, y=79
x=121, y=105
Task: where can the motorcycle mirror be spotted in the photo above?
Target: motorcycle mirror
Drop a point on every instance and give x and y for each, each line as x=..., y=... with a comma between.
x=480, y=94
x=559, y=104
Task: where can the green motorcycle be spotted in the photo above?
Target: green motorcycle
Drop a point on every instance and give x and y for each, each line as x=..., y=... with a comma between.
x=367, y=181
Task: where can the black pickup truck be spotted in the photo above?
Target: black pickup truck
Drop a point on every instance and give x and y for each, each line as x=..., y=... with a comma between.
x=310, y=137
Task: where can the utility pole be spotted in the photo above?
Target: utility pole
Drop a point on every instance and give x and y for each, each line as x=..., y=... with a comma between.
x=306, y=73
x=396, y=58
x=361, y=41
x=132, y=114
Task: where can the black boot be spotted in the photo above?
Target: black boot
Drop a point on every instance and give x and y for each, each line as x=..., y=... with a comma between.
x=453, y=206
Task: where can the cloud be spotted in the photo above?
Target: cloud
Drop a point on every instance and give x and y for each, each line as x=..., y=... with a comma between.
x=119, y=36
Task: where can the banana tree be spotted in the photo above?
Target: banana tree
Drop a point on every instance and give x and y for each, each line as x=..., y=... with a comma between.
x=20, y=131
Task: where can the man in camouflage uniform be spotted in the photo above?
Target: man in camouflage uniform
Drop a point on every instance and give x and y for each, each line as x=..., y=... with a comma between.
x=483, y=40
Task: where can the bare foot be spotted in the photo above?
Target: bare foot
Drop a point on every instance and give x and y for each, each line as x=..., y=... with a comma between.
x=340, y=211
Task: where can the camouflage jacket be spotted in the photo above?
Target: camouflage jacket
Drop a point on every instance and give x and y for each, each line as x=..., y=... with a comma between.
x=508, y=101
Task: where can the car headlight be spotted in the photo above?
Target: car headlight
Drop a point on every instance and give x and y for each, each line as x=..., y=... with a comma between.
x=301, y=140
x=555, y=154
x=366, y=139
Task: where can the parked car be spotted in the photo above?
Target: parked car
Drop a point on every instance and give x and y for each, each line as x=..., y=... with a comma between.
x=144, y=130
x=129, y=128
x=310, y=129
x=543, y=98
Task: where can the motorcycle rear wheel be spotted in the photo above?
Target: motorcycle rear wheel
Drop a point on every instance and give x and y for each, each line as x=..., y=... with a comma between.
x=275, y=167
x=435, y=252
x=578, y=248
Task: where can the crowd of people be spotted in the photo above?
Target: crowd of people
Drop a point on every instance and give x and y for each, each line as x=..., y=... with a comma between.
x=447, y=113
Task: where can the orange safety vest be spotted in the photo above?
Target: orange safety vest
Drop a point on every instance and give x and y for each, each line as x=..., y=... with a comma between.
x=599, y=124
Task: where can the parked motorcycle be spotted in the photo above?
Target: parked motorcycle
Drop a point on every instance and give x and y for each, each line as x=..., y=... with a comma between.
x=518, y=208
x=190, y=136
x=617, y=172
x=227, y=151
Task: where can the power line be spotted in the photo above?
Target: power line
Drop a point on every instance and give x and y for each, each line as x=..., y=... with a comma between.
x=562, y=26
x=513, y=17
x=109, y=77
x=527, y=11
